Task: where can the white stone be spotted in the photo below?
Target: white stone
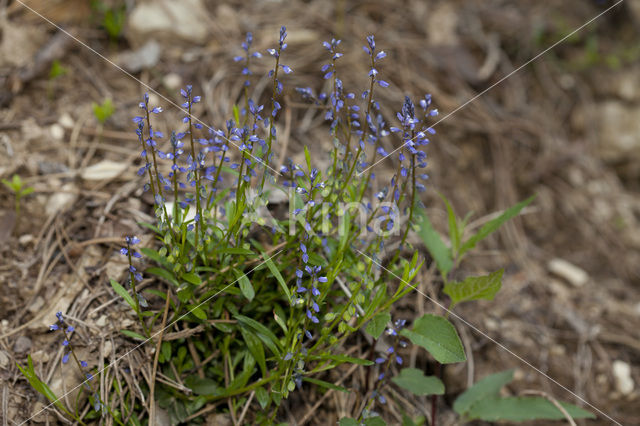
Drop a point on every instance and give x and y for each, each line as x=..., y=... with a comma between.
x=4, y=359
x=66, y=121
x=36, y=305
x=570, y=272
x=102, y=321
x=622, y=376
x=107, y=349
x=103, y=170
x=172, y=81
x=186, y=19
x=145, y=57
x=61, y=200
x=25, y=239
x=57, y=131
x=40, y=356
x=619, y=138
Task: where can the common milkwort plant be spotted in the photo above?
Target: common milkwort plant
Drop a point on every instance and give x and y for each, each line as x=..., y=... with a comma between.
x=277, y=300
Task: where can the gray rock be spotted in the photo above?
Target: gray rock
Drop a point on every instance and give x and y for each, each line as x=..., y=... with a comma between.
x=145, y=57
x=619, y=131
x=186, y=19
x=22, y=345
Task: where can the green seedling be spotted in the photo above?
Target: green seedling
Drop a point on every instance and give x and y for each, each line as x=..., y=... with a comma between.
x=16, y=185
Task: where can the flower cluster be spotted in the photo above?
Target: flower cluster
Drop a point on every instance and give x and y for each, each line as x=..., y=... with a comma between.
x=276, y=91
x=313, y=278
x=134, y=275
x=388, y=357
x=82, y=365
x=414, y=135
x=246, y=46
x=149, y=145
x=370, y=50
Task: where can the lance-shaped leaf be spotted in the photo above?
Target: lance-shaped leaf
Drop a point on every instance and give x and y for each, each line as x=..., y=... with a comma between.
x=437, y=248
x=493, y=225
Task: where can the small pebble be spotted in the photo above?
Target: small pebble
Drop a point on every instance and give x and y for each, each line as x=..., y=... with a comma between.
x=22, y=345
x=4, y=359
x=36, y=305
x=622, y=376
x=40, y=356
x=107, y=349
x=57, y=131
x=570, y=272
x=66, y=121
x=25, y=239
x=102, y=321
x=172, y=81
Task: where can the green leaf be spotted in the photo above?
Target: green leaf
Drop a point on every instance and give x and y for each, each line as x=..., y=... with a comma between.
x=163, y=273
x=156, y=257
x=192, y=278
x=437, y=248
x=262, y=396
x=133, y=335
x=202, y=386
x=486, y=388
x=104, y=111
x=414, y=380
x=245, y=285
x=255, y=348
x=346, y=421
x=39, y=385
x=122, y=292
x=454, y=228
x=493, y=225
x=375, y=421
x=56, y=70
x=325, y=384
x=519, y=409
x=166, y=350
x=307, y=156
x=263, y=333
x=240, y=380
x=276, y=273
x=236, y=113
x=474, y=288
x=377, y=324
x=236, y=250
x=341, y=359
x=198, y=312
x=26, y=191
x=408, y=421
x=438, y=336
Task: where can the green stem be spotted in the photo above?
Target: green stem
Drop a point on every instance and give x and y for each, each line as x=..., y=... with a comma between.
x=271, y=121
x=135, y=293
x=196, y=174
